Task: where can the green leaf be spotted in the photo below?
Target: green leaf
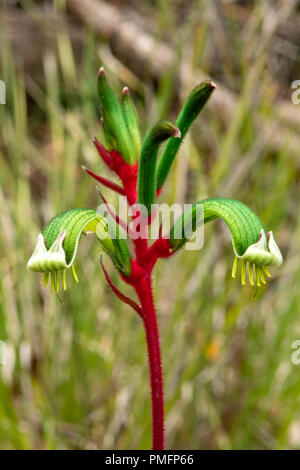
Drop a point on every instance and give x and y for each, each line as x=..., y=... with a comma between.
x=147, y=166
x=192, y=107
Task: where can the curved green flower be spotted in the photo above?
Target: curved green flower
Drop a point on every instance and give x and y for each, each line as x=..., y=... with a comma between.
x=57, y=245
x=252, y=248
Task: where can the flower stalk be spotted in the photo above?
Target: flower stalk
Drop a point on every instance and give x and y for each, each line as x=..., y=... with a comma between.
x=134, y=163
x=144, y=292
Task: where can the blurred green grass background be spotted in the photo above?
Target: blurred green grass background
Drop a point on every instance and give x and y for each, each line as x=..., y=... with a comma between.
x=76, y=375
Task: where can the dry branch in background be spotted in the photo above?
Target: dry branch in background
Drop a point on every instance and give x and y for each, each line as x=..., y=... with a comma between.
x=147, y=56
x=139, y=50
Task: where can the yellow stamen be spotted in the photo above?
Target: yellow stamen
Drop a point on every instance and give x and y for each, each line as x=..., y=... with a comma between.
x=45, y=279
x=234, y=267
x=57, y=281
x=262, y=276
x=266, y=271
x=243, y=273
x=64, y=280
x=257, y=276
x=74, y=273
x=53, y=287
x=250, y=272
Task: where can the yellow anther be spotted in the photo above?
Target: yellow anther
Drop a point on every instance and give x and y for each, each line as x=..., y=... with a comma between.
x=74, y=273
x=45, y=279
x=262, y=276
x=57, y=281
x=257, y=276
x=64, y=280
x=234, y=267
x=250, y=272
x=266, y=271
x=243, y=273
x=53, y=286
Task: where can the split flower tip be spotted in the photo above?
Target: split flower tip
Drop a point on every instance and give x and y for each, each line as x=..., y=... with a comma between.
x=176, y=133
x=52, y=263
x=101, y=71
x=256, y=260
x=125, y=91
x=44, y=260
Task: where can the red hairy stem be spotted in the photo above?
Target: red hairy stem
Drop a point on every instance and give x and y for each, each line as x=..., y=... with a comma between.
x=140, y=280
x=141, y=244
x=161, y=248
x=144, y=292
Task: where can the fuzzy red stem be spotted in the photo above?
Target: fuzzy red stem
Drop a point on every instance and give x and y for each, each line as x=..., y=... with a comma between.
x=140, y=279
x=143, y=289
x=144, y=292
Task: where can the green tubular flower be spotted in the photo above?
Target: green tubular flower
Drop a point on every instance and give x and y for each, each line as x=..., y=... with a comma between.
x=114, y=123
x=57, y=245
x=252, y=248
x=131, y=118
x=191, y=109
x=160, y=132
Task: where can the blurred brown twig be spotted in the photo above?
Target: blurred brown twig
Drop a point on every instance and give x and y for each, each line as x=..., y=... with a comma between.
x=146, y=56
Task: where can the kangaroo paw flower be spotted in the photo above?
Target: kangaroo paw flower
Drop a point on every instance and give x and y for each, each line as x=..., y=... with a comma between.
x=254, y=251
x=256, y=258
x=56, y=247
